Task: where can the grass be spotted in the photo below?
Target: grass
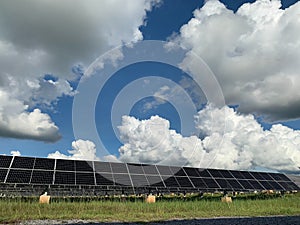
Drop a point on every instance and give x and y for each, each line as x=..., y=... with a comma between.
x=17, y=210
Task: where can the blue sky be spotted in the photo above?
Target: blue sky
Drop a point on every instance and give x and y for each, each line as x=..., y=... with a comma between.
x=247, y=48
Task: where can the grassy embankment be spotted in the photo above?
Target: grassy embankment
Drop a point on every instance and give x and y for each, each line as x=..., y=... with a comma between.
x=12, y=210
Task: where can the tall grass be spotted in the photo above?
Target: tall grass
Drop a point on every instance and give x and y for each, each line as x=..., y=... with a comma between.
x=17, y=210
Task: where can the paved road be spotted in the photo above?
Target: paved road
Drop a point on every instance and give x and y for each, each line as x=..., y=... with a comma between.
x=278, y=220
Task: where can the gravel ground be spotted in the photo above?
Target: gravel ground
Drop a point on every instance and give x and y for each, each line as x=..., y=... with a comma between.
x=277, y=220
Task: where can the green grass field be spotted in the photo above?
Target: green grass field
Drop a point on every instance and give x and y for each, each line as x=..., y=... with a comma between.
x=17, y=210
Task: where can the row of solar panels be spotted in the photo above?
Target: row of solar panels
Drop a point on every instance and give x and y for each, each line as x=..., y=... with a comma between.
x=29, y=170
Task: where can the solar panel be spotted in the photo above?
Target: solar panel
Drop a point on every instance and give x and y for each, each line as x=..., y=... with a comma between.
x=210, y=183
x=150, y=169
x=44, y=164
x=155, y=181
x=235, y=184
x=64, y=177
x=170, y=182
x=139, y=180
x=85, y=178
x=215, y=173
x=246, y=175
x=23, y=162
x=246, y=185
x=3, y=173
x=203, y=173
x=42, y=177
x=198, y=183
x=192, y=172
x=120, y=177
x=118, y=168
x=279, y=177
x=135, y=168
x=177, y=171
x=65, y=165
x=5, y=161
x=19, y=176
x=84, y=165
x=256, y=185
x=164, y=170
x=104, y=179
x=223, y=183
x=102, y=167
x=226, y=174
x=184, y=182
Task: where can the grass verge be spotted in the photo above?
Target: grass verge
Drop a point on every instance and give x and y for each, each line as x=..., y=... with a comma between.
x=107, y=211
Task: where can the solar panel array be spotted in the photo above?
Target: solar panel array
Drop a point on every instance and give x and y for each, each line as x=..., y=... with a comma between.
x=43, y=171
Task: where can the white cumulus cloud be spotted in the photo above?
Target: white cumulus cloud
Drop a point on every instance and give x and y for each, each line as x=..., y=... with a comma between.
x=81, y=150
x=254, y=53
x=55, y=38
x=229, y=140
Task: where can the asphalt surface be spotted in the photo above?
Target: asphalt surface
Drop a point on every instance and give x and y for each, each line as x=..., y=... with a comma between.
x=277, y=220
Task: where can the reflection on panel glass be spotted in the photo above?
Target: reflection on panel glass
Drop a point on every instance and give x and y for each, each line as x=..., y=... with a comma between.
x=135, y=168
x=104, y=179
x=118, y=168
x=84, y=165
x=102, y=167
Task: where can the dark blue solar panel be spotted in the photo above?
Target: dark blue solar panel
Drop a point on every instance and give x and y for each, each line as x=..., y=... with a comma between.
x=23, y=162
x=5, y=161
x=64, y=178
x=42, y=177
x=192, y=172
x=177, y=171
x=170, y=182
x=203, y=173
x=198, y=183
x=104, y=179
x=44, y=164
x=65, y=165
x=84, y=166
x=85, y=178
x=3, y=173
x=184, y=182
x=19, y=176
